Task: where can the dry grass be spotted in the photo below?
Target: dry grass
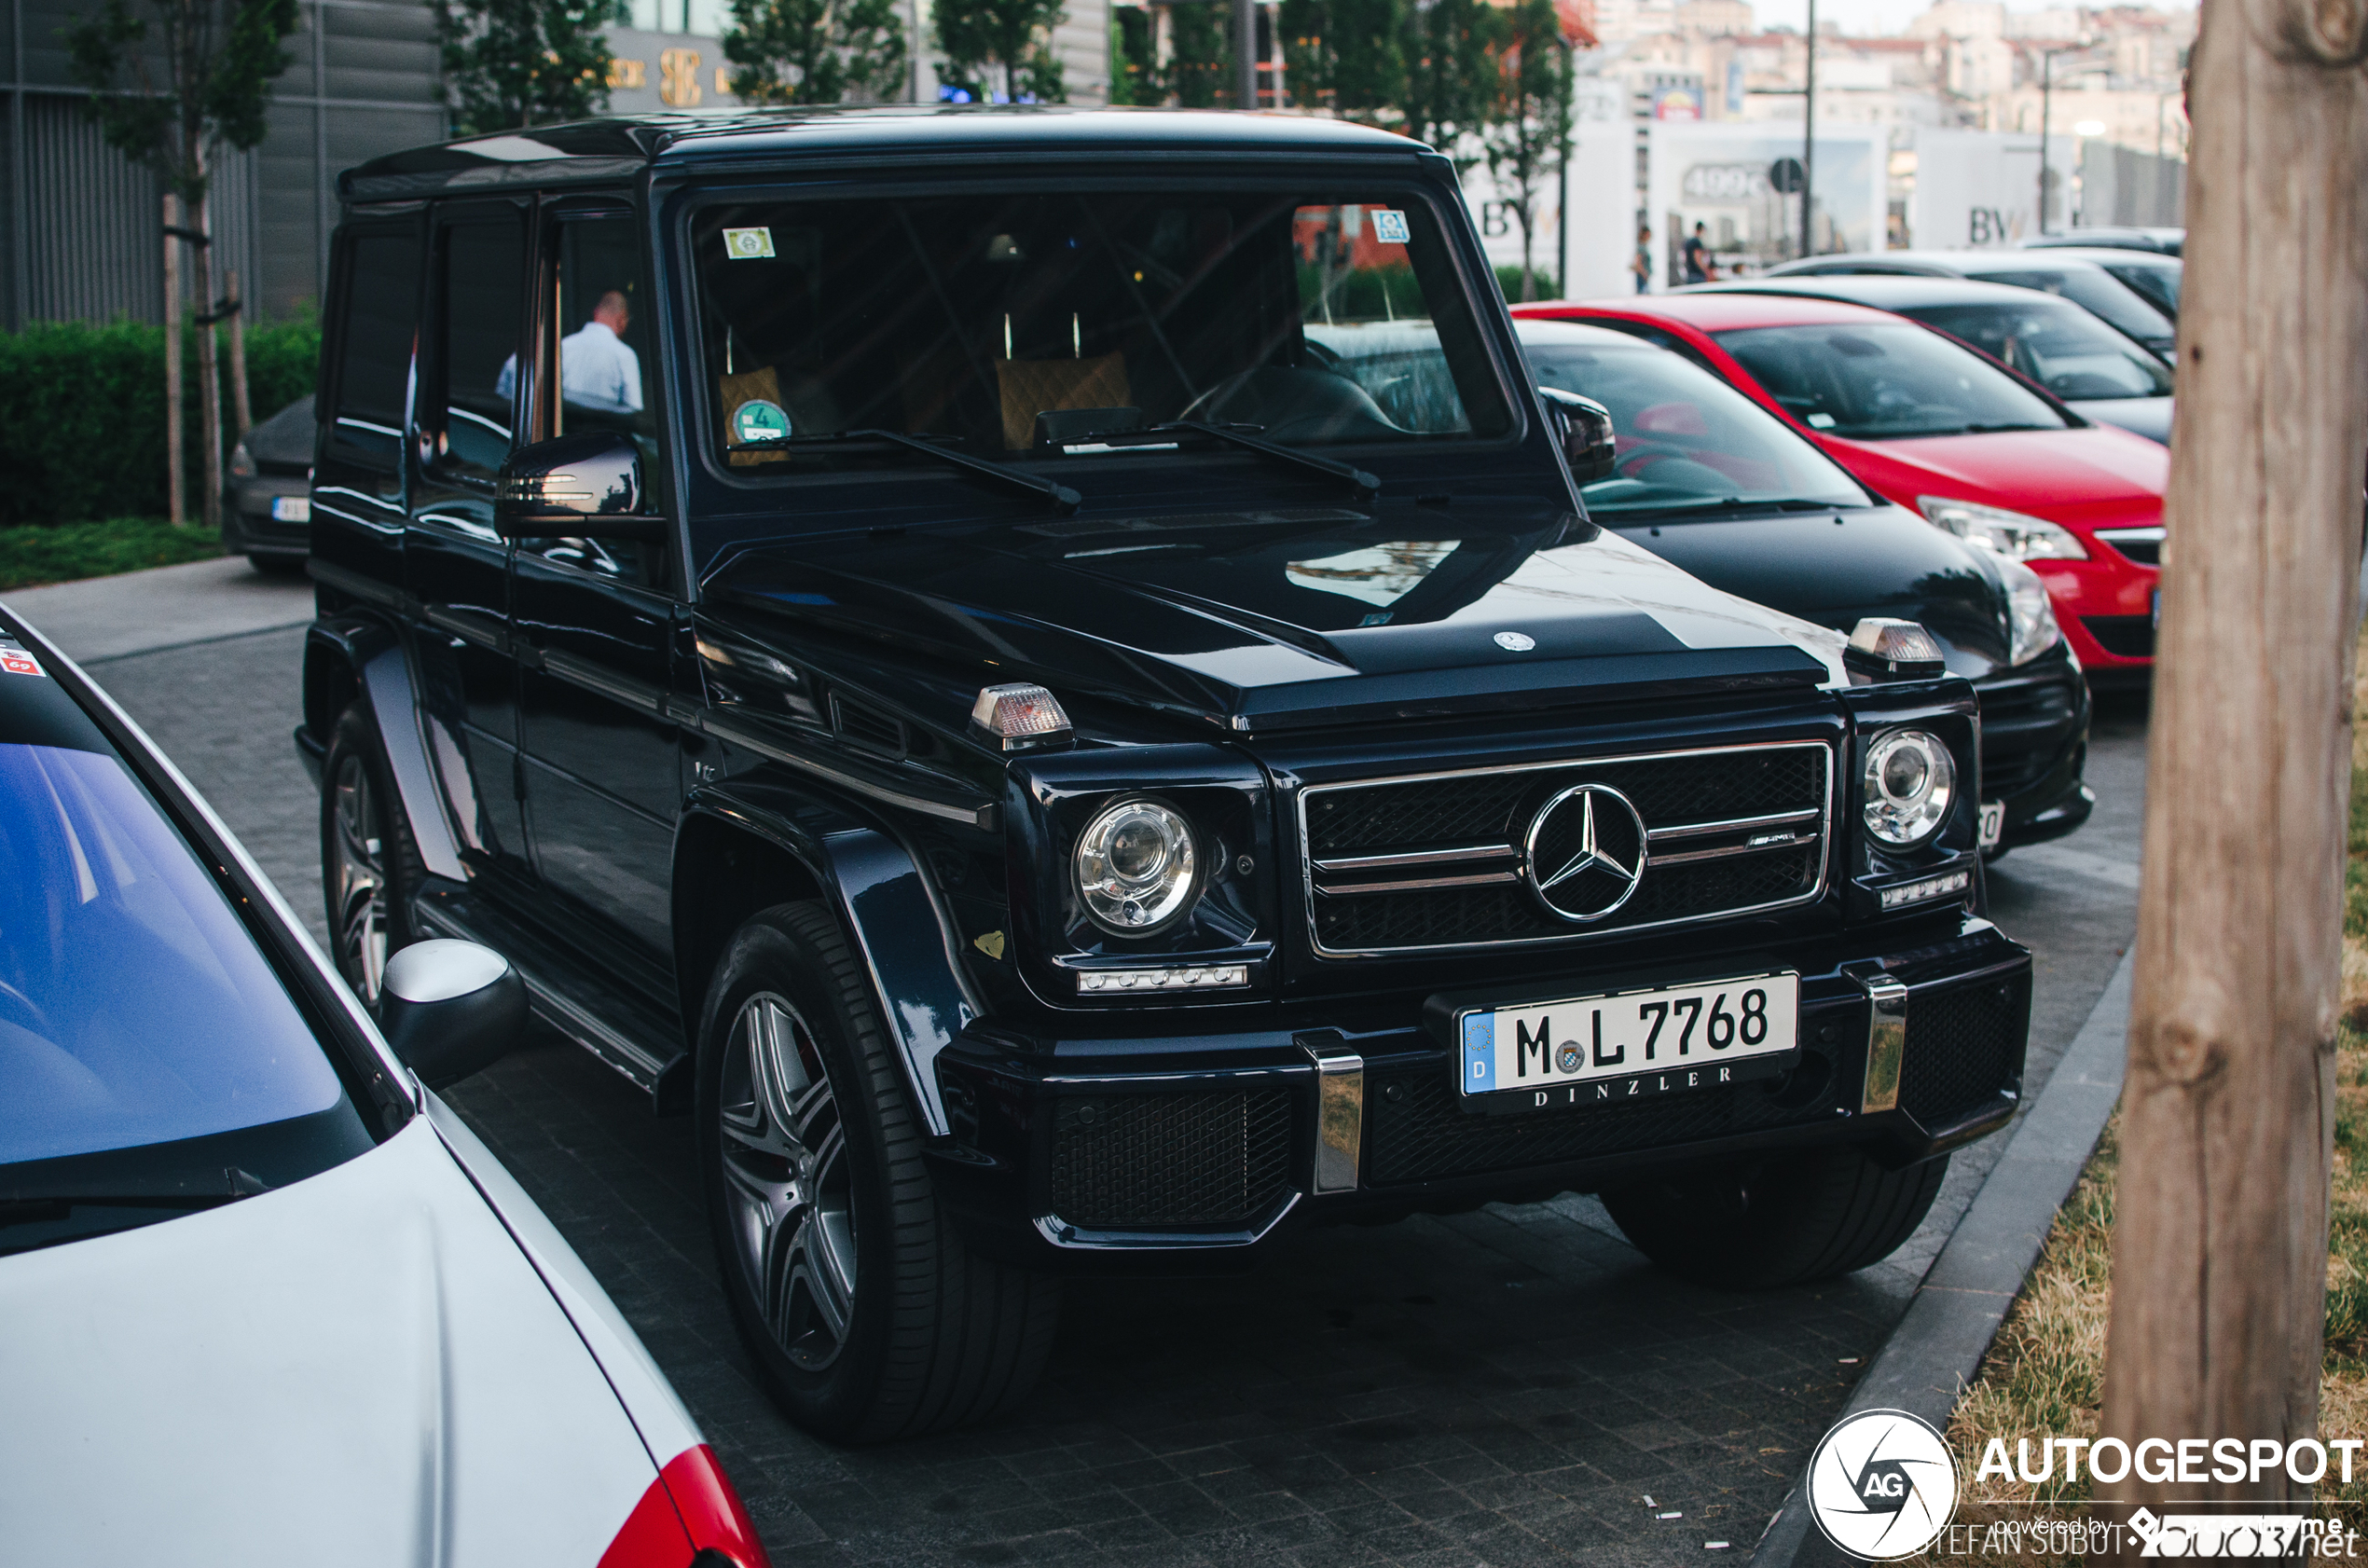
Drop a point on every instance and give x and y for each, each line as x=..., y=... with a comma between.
x=2045, y=1374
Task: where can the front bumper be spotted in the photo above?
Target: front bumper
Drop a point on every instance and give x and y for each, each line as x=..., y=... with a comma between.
x=2034, y=745
x=2106, y=606
x=1206, y=1152
x=248, y=527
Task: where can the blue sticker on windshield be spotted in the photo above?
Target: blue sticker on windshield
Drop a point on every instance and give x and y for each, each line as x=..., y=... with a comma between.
x=1389, y=226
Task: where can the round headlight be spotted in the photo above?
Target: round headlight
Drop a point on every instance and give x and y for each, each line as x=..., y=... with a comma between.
x=1137, y=867
x=1910, y=783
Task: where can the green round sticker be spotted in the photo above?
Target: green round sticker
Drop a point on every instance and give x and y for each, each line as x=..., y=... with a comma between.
x=758, y=421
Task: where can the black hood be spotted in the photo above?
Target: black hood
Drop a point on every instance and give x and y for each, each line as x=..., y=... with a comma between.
x=283, y=442
x=1262, y=621
x=1835, y=567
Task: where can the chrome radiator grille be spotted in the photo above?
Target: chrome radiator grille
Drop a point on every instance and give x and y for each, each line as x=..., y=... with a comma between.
x=1467, y=858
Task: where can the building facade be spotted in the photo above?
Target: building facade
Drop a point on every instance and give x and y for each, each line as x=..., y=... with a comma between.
x=81, y=231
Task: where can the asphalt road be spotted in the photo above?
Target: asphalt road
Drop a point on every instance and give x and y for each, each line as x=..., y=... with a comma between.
x=1505, y=1386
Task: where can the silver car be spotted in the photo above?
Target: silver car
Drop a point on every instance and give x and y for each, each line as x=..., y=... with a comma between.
x=268, y=1300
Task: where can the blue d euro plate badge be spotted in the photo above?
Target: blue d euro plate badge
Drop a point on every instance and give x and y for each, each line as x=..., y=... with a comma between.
x=1628, y=1045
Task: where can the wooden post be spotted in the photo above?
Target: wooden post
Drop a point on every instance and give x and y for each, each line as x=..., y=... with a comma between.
x=173, y=506
x=209, y=372
x=241, y=407
x=2220, y=1245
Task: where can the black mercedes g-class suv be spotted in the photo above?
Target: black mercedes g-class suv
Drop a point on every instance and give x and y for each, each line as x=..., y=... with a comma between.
x=893, y=622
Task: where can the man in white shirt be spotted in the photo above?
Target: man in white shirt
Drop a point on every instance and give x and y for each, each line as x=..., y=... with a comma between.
x=597, y=368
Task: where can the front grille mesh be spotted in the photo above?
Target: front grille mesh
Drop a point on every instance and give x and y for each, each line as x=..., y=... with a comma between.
x=1418, y=1133
x=1495, y=809
x=2128, y=637
x=1964, y=1044
x=2023, y=731
x=1166, y=1161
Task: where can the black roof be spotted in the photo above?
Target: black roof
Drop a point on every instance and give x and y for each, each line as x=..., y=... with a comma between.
x=622, y=147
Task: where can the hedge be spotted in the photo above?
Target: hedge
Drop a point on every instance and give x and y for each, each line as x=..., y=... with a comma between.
x=82, y=414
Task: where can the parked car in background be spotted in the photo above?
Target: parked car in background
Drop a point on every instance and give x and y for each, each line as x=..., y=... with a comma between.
x=1707, y=479
x=266, y=504
x=1058, y=777
x=2101, y=374
x=2165, y=242
x=2152, y=273
x=267, y=1301
x=1933, y=425
x=2095, y=288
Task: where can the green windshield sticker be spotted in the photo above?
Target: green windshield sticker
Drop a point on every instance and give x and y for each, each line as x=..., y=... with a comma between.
x=757, y=420
x=747, y=245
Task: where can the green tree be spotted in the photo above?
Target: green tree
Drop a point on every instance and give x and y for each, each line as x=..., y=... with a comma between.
x=1449, y=71
x=1200, y=68
x=1528, y=126
x=816, y=51
x=509, y=63
x=1135, y=65
x=1000, y=50
x=1348, y=56
x=172, y=99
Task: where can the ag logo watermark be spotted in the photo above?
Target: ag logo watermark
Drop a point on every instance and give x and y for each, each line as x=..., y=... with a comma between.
x=1882, y=1485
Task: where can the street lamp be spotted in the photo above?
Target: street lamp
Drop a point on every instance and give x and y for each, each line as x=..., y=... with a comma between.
x=1809, y=132
x=2047, y=90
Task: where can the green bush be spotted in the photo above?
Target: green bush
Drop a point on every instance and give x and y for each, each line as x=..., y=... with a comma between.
x=82, y=414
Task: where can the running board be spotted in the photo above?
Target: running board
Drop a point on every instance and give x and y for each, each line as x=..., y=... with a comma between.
x=617, y=1029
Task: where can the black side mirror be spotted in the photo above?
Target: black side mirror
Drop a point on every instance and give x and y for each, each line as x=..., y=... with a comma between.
x=451, y=1008
x=1587, y=434
x=586, y=485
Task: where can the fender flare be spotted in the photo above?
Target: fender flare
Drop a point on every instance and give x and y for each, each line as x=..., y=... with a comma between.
x=381, y=670
x=889, y=908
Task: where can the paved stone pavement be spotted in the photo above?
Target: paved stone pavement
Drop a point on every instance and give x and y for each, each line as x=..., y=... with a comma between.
x=1505, y=1386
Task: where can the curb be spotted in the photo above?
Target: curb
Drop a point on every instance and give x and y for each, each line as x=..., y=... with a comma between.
x=1956, y=1312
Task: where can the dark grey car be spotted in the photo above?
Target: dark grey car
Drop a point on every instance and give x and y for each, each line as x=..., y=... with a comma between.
x=267, y=505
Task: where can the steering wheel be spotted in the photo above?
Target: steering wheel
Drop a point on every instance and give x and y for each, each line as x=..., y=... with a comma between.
x=19, y=1009
x=1295, y=403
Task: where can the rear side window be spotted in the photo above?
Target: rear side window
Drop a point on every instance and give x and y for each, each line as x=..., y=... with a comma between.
x=484, y=288
x=375, y=336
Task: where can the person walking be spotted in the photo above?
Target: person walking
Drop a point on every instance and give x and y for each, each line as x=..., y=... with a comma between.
x=1697, y=262
x=1641, y=263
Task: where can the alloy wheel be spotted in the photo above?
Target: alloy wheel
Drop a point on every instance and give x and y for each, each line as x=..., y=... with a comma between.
x=359, y=878
x=788, y=1181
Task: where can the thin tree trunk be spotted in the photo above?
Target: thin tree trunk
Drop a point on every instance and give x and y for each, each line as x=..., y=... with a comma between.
x=208, y=374
x=2220, y=1244
x=173, y=459
x=240, y=406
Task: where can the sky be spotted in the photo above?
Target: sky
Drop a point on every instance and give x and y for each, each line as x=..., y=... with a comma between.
x=1867, y=16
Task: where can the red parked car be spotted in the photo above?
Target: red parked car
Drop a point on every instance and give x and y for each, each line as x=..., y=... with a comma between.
x=1933, y=425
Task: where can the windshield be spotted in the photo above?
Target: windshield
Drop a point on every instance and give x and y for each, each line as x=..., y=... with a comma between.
x=2096, y=292
x=961, y=320
x=134, y=1007
x=2061, y=346
x=1883, y=381
x=2158, y=284
x=1684, y=437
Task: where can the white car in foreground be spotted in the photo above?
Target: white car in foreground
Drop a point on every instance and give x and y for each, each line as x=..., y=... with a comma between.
x=266, y=1299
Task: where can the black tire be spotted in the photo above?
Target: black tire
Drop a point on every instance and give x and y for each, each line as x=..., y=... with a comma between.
x=1785, y=1220
x=867, y=1317
x=369, y=865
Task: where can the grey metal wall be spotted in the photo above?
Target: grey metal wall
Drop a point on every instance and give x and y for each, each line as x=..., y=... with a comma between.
x=82, y=229
x=2120, y=187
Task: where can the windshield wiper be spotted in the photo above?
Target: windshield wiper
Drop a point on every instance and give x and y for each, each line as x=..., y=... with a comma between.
x=1364, y=484
x=18, y=1208
x=1991, y=429
x=1063, y=500
x=1722, y=503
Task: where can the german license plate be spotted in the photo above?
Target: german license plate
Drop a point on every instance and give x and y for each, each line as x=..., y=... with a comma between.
x=1993, y=824
x=291, y=509
x=1626, y=1045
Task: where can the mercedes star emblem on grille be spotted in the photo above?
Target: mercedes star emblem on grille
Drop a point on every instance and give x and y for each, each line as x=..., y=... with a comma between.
x=1585, y=853
x=1515, y=641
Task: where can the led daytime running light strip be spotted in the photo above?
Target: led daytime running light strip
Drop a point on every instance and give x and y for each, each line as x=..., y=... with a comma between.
x=1930, y=888
x=1205, y=977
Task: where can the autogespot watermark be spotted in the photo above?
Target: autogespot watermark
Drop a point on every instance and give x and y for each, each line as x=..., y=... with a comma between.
x=1884, y=1485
